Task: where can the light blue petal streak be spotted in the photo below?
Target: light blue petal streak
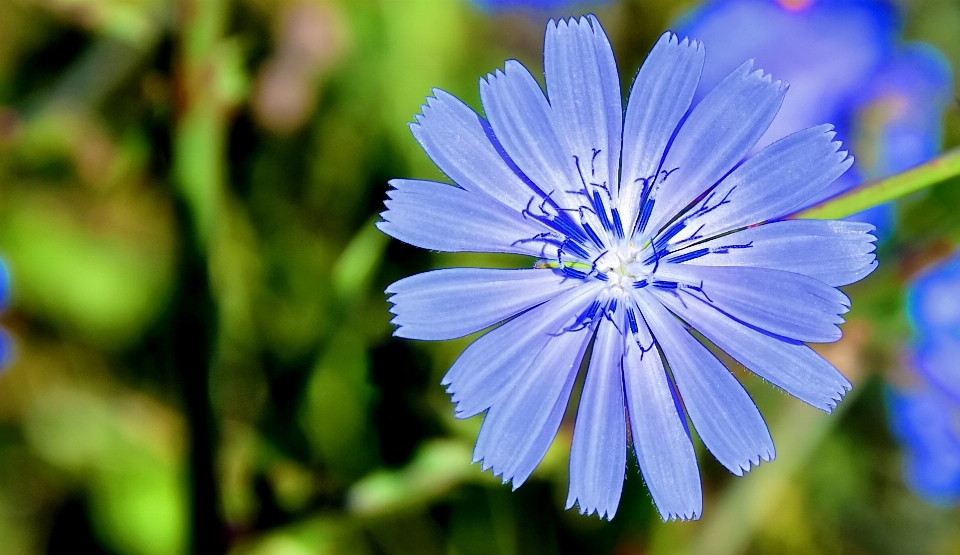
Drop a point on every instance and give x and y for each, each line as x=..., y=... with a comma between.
x=459, y=143
x=791, y=366
x=783, y=303
x=524, y=125
x=834, y=252
x=598, y=454
x=451, y=303
x=659, y=98
x=661, y=440
x=721, y=410
x=443, y=217
x=720, y=131
x=490, y=365
x=519, y=428
x=584, y=90
x=771, y=184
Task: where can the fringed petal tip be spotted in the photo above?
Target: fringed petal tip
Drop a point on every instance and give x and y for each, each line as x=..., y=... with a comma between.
x=747, y=71
x=834, y=401
x=498, y=472
x=748, y=465
x=673, y=39
x=431, y=103
x=680, y=517
x=588, y=510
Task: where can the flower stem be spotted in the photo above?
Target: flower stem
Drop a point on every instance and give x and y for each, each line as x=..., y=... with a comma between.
x=199, y=170
x=879, y=191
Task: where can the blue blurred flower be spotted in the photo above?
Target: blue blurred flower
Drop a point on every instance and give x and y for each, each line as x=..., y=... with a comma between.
x=926, y=417
x=626, y=263
x=845, y=64
x=6, y=342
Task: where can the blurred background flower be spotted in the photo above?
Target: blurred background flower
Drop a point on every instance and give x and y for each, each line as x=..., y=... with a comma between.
x=847, y=64
x=203, y=352
x=925, y=411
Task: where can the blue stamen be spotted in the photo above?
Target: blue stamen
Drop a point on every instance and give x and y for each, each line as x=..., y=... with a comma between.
x=687, y=256
x=617, y=224
x=665, y=284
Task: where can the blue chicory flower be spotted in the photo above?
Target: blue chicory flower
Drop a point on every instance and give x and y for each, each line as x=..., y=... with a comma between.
x=645, y=225
x=926, y=416
x=885, y=98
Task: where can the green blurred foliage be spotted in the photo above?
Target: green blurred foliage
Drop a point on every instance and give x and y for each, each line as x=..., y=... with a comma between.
x=330, y=436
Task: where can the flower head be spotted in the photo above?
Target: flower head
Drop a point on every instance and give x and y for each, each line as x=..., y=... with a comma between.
x=644, y=225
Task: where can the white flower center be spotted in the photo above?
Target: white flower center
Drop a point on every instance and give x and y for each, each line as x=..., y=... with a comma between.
x=622, y=271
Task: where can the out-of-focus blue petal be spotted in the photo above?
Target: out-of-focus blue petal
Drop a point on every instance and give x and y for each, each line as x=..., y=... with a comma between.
x=834, y=252
x=927, y=424
x=721, y=410
x=933, y=302
x=4, y=285
x=716, y=136
x=826, y=51
x=661, y=440
x=489, y=366
x=904, y=106
x=6, y=349
x=462, y=145
x=523, y=123
x=770, y=184
x=598, y=454
x=450, y=303
x=447, y=218
x=584, y=90
x=938, y=360
x=659, y=98
x=783, y=303
x=791, y=366
x=519, y=428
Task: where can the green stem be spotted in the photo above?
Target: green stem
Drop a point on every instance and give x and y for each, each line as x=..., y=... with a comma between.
x=199, y=172
x=873, y=193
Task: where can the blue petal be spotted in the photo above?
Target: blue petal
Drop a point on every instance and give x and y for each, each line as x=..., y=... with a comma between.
x=522, y=121
x=933, y=303
x=451, y=303
x=489, y=366
x=519, y=428
x=779, y=179
x=659, y=98
x=793, y=367
x=926, y=424
x=834, y=252
x=7, y=352
x=783, y=303
x=721, y=410
x=720, y=131
x=447, y=218
x=459, y=143
x=661, y=440
x=4, y=285
x=584, y=90
x=598, y=454
x=936, y=359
